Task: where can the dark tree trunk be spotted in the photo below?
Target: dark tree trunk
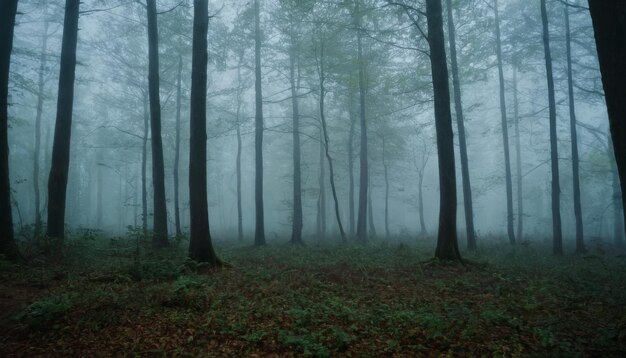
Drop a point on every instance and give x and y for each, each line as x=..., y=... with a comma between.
x=144, y=166
x=447, y=245
x=158, y=168
x=331, y=173
x=458, y=108
x=296, y=232
x=370, y=213
x=618, y=219
x=177, y=146
x=386, y=169
x=361, y=231
x=351, y=161
x=200, y=246
x=57, y=182
x=259, y=233
x=609, y=24
x=238, y=164
x=580, y=244
x=8, y=10
x=321, y=199
x=40, y=99
x=518, y=161
x=505, y=132
x=557, y=239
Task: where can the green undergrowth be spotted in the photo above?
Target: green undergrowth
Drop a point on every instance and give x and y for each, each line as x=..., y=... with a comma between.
x=104, y=297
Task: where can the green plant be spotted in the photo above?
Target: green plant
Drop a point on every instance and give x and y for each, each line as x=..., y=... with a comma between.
x=41, y=313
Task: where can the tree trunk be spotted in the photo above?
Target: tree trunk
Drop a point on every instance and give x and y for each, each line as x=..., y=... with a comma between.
x=99, y=193
x=458, y=108
x=40, y=99
x=609, y=24
x=361, y=225
x=57, y=182
x=518, y=161
x=259, y=234
x=321, y=199
x=386, y=190
x=420, y=198
x=200, y=246
x=144, y=166
x=580, y=244
x=238, y=164
x=370, y=213
x=158, y=168
x=8, y=10
x=618, y=219
x=505, y=132
x=296, y=233
x=447, y=246
x=177, y=146
x=557, y=239
x=327, y=143
x=351, y=161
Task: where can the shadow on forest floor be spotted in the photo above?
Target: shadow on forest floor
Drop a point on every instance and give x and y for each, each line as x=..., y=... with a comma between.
x=375, y=300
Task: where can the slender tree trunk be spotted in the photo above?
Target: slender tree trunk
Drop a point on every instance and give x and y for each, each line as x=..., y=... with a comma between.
x=518, y=161
x=351, y=162
x=100, y=189
x=370, y=213
x=361, y=226
x=177, y=146
x=40, y=99
x=554, y=156
x=296, y=233
x=447, y=245
x=57, y=182
x=8, y=248
x=505, y=132
x=200, y=246
x=458, y=108
x=238, y=164
x=259, y=235
x=144, y=166
x=609, y=24
x=386, y=170
x=158, y=168
x=327, y=142
x=321, y=199
x=580, y=244
x=420, y=198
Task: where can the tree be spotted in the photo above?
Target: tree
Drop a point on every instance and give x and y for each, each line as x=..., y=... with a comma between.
x=557, y=239
x=200, y=246
x=158, y=169
x=8, y=10
x=505, y=129
x=57, y=181
x=458, y=108
x=259, y=233
x=609, y=24
x=177, y=145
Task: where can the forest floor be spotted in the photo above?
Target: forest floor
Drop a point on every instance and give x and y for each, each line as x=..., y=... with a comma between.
x=375, y=300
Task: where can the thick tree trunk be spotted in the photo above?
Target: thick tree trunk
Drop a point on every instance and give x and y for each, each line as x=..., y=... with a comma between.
x=580, y=244
x=505, y=131
x=618, y=218
x=296, y=232
x=331, y=173
x=557, y=239
x=158, y=168
x=200, y=246
x=321, y=199
x=177, y=146
x=43, y=59
x=8, y=10
x=238, y=164
x=351, y=161
x=458, y=108
x=609, y=24
x=259, y=233
x=447, y=245
x=57, y=182
x=518, y=161
x=361, y=231
x=144, y=166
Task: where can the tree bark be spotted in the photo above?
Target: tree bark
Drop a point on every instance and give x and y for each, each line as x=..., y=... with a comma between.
x=296, y=232
x=361, y=231
x=177, y=145
x=144, y=165
x=238, y=163
x=370, y=213
x=351, y=161
x=57, y=182
x=618, y=219
x=505, y=131
x=8, y=248
x=200, y=246
x=321, y=199
x=259, y=235
x=557, y=239
x=386, y=170
x=580, y=243
x=518, y=161
x=159, y=238
x=609, y=24
x=458, y=108
x=447, y=245
x=420, y=198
